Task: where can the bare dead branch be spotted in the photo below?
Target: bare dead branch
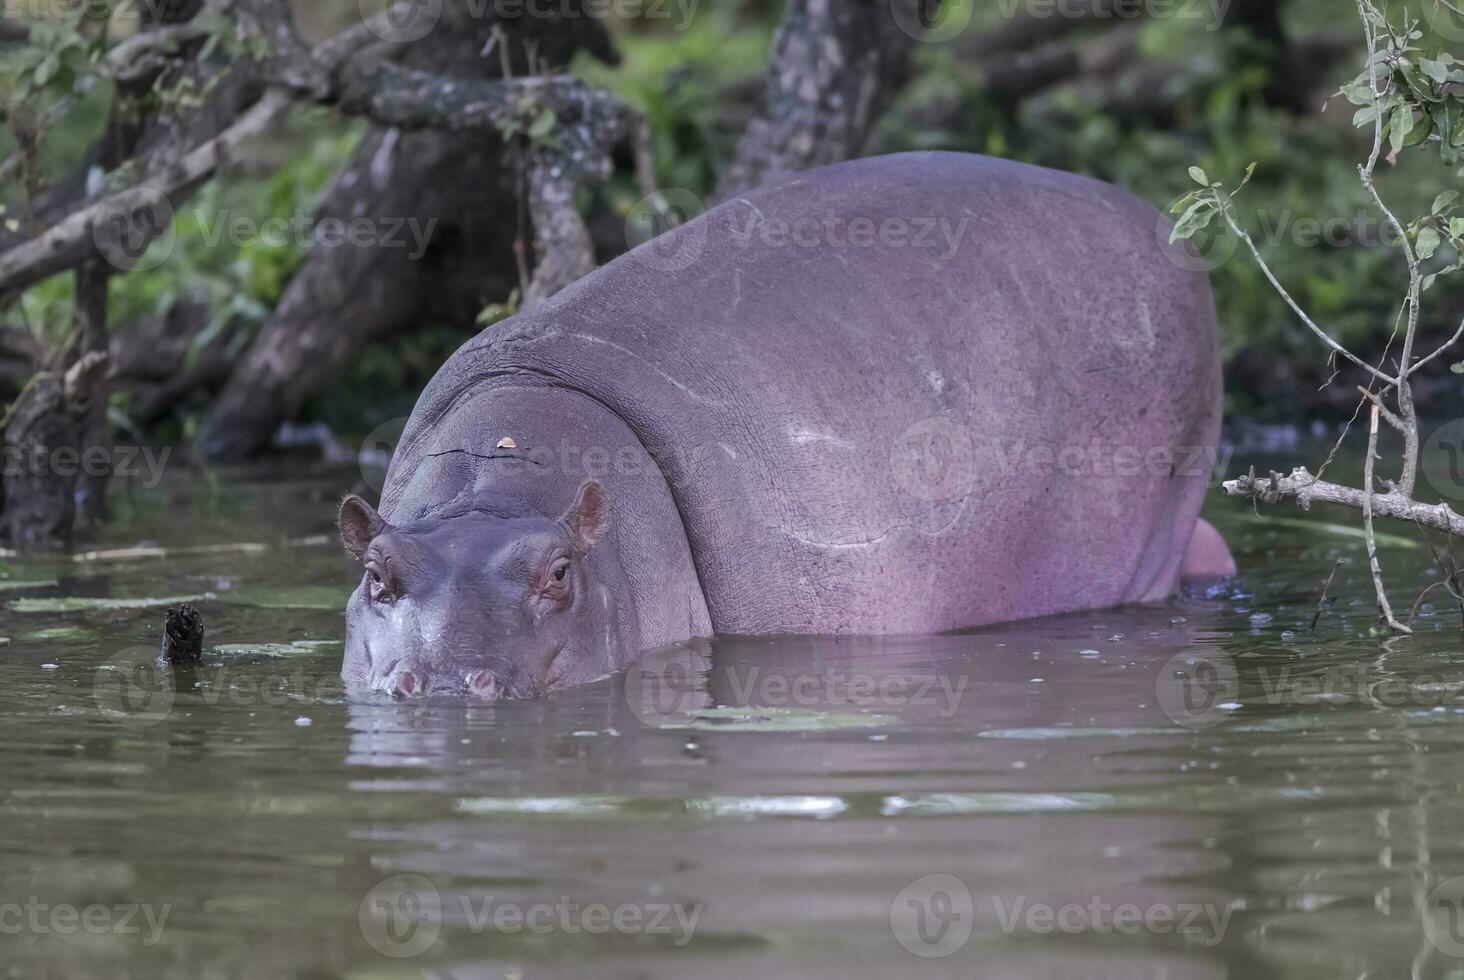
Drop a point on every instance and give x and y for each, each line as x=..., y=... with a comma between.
x=72, y=240
x=1301, y=486
x=1385, y=610
x=1322, y=599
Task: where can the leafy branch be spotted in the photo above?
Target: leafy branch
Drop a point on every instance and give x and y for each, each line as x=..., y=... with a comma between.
x=1409, y=99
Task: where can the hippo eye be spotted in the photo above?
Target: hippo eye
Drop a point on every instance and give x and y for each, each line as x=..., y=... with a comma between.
x=553, y=583
x=376, y=587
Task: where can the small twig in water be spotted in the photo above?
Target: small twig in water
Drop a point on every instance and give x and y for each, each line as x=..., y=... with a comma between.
x=1384, y=609
x=1322, y=599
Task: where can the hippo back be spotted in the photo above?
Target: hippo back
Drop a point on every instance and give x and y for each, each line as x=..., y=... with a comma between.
x=901, y=394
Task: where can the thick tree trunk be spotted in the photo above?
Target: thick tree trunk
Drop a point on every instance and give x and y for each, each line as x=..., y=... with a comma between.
x=563, y=249
x=57, y=445
x=455, y=193
x=836, y=64
x=91, y=308
x=43, y=446
x=458, y=189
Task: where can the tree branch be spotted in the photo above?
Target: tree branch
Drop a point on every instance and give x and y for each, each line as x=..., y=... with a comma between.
x=74, y=239
x=337, y=74
x=1301, y=486
x=1385, y=610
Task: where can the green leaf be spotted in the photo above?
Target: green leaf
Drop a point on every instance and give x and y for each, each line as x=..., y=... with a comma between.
x=1357, y=92
x=1199, y=177
x=1428, y=243
x=1195, y=220
x=543, y=124
x=1444, y=200
x=1420, y=131
x=1184, y=202
x=1456, y=227
x=1400, y=126
x=1435, y=70
x=1249, y=173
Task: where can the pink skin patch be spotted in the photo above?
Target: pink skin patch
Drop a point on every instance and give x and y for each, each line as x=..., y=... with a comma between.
x=406, y=684
x=484, y=684
x=1207, y=558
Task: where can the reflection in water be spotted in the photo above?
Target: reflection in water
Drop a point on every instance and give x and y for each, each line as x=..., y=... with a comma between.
x=1202, y=789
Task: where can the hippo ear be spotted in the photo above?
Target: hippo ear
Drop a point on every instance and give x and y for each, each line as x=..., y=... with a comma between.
x=589, y=518
x=359, y=524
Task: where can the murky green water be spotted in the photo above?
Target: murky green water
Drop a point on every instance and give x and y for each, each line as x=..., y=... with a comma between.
x=1204, y=789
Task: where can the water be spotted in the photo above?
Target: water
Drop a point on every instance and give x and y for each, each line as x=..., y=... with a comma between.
x=1200, y=789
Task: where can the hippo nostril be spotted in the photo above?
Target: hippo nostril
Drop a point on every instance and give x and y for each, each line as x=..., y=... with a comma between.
x=483, y=683
x=407, y=683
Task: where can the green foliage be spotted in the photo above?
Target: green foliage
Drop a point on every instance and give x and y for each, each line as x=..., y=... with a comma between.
x=679, y=81
x=1310, y=216
x=216, y=252
x=694, y=87
x=1405, y=99
x=494, y=312
x=51, y=65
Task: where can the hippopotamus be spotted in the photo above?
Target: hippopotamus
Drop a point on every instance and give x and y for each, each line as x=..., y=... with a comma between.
x=905, y=394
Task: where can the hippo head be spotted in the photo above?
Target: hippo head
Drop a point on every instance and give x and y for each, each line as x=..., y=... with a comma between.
x=484, y=600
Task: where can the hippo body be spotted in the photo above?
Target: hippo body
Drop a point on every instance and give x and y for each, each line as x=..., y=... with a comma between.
x=904, y=394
